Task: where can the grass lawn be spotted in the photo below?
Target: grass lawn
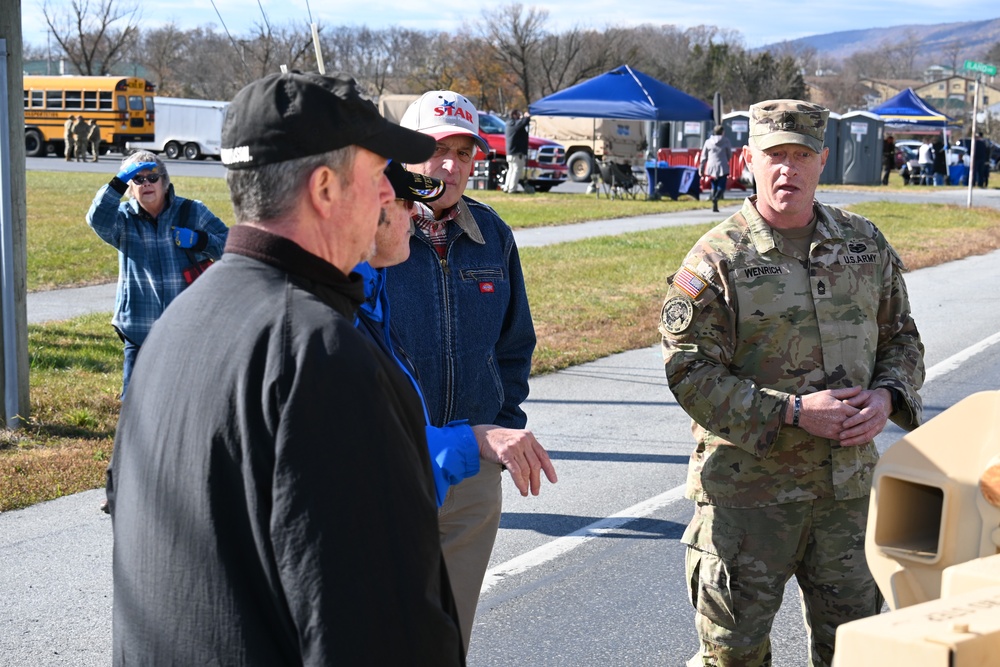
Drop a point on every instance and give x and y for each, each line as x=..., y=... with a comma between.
x=589, y=299
x=63, y=251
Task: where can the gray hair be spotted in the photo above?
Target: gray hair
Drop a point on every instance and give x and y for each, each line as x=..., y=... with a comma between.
x=145, y=156
x=272, y=191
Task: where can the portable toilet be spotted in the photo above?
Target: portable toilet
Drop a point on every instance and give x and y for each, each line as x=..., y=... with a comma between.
x=861, y=148
x=831, y=172
x=690, y=133
x=737, y=128
x=657, y=136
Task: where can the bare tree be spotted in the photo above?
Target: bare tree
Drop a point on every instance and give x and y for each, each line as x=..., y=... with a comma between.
x=94, y=35
x=268, y=47
x=575, y=55
x=952, y=52
x=433, y=67
x=844, y=92
x=515, y=35
x=903, y=57
x=212, y=68
x=162, y=51
x=992, y=55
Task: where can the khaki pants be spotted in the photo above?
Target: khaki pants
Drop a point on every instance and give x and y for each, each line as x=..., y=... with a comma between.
x=469, y=520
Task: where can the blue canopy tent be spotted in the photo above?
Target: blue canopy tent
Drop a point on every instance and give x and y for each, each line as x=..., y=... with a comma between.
x=907, y=111
x=623, y=93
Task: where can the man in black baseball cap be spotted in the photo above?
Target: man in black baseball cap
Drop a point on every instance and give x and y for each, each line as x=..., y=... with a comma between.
x=259, y=420
x=286, y=116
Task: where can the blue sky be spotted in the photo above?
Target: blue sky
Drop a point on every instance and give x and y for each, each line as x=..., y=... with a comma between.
x=761, y=22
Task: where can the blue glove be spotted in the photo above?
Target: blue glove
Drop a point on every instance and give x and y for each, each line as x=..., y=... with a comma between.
x=184, y=237
x=126, y=174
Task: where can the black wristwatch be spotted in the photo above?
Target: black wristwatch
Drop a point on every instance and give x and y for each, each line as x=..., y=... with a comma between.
x=896, y=397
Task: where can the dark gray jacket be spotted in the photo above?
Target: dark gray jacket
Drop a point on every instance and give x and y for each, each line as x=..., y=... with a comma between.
x=517, y=136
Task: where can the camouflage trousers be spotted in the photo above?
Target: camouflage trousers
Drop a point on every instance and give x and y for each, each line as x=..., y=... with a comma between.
x=739, y=560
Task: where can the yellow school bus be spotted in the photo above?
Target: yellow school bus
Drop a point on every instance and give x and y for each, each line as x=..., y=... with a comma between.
x=123, y=107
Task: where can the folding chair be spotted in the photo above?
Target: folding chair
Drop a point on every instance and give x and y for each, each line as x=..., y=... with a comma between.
x=617, y=181
x=624, y=180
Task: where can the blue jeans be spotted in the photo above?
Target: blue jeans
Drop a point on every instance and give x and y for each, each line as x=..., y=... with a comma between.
x=131, y=352
x=719, y=187
x=938, y=179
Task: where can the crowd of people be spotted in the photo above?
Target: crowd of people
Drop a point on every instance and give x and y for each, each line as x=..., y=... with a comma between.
x=933, y=161
x=313, y=434
x=81, y=136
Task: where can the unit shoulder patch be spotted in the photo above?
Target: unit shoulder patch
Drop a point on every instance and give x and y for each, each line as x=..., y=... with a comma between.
x=677, y=314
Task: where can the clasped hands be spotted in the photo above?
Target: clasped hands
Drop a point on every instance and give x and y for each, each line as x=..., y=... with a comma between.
x=852, y=415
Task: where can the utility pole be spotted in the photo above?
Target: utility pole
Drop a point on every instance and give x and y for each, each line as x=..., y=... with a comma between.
x=980, y=69
x=972, y=144
x=13, y=222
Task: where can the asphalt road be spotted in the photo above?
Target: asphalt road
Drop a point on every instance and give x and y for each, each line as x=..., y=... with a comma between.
x=588, y=573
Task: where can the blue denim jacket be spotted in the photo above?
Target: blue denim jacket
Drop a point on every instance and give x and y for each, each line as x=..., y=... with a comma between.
x=464, y=321
x=453, y=447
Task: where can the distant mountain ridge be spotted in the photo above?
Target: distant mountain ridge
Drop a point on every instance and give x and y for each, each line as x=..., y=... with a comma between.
x=976, y=37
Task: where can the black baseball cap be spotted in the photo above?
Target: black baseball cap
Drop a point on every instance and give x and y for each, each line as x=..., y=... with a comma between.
x=412, y=186
x=291, y=115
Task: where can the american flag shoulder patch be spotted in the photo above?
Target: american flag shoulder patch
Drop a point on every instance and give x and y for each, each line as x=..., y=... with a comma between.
x=689, y=282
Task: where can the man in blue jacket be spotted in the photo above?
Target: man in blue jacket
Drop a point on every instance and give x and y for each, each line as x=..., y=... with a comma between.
x=461, y=314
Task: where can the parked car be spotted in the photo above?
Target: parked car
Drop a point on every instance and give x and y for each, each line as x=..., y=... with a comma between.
x=545, y=166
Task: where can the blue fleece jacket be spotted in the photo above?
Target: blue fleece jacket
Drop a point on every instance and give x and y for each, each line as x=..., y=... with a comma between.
x=453, y=447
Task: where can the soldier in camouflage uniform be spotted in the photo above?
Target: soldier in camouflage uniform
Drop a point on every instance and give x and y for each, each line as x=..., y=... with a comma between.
x=788, y=339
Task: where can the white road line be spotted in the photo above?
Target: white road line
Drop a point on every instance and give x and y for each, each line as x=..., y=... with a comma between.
x=562, y=545
x=953, y=362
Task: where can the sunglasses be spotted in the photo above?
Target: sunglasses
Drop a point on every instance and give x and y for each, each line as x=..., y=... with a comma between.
x=151, y=178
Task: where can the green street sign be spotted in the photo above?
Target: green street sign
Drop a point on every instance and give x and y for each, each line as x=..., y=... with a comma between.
x=982, y=68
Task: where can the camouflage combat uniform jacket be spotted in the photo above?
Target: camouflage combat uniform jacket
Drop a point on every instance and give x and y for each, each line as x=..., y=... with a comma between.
x=748, y=321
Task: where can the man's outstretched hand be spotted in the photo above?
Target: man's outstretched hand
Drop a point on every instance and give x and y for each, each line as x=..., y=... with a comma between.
x=518, y=451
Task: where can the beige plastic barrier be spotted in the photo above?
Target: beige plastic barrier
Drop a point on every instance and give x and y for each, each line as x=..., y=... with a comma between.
x=936, y=500
x=934, y=532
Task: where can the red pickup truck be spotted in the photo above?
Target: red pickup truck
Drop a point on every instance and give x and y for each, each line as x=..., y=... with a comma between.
x=545, y=166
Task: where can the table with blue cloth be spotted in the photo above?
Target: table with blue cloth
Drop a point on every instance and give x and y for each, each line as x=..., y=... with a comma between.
x=671, y=181
x=958, y=174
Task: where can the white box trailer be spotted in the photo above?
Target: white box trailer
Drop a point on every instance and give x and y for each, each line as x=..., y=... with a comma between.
x=188, y=128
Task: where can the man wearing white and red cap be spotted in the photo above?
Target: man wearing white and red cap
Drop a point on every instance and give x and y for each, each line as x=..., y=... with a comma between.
x=461, y=312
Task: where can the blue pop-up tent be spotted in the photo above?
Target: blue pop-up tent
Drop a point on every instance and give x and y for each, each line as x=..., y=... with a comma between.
x=907, y=111
x=623, y=93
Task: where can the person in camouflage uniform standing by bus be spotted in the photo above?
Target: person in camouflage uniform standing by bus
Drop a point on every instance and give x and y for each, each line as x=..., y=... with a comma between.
x=788, y=339
x=94, y=138
x=69, y=138
x=80, y=131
